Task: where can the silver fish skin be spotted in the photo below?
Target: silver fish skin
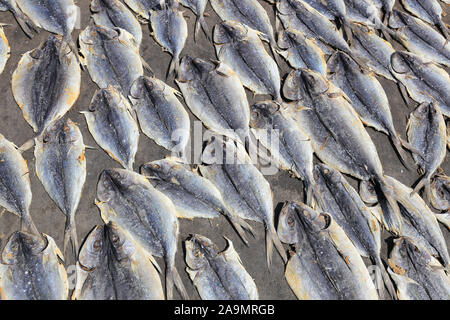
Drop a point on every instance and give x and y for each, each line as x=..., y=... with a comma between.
x=111, y=266
x=424, y=80
x=419, y=222
x=420, y=38
x=193, y=195
x=218, y=275
x=142, y=7
x=300, y=51
x=244, y=189
x=128, y=200
x=299, y=15
x=248, y=12
x=427, y=133
x=293, y=151
x=338, y=198
x=170, y=31
x=337, y=134
x=325, y=264
x=31, y=269
x=55, y=16
x=198, y=8
x=440, y=199
x=61, y=167
x=386, y=5
x=366, y=95
x=24, y=22
x=112, y=13
x=364, y=11
x=414, y=267
x=46, y=83
x=160, y=114
x=373, y=49
x=15, y=188
x=112, y=126
x=241, y=48
x=429, y=11
x=5, y=50
x=215, y=95
x=111, y=57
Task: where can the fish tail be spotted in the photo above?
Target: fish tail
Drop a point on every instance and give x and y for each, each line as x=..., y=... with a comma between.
x=423, y=182
x=173, y=279
x=399, y=149
x=27, y=145
x=200, y=23
x=385, y=278
x=392, y=217
x=309, y=193
x=25, y=23
x=27, y=225
x=273, y=50
x=271, y=240
x=173, y=67
x=443, y=28
x=240, y=225
x=70, y=236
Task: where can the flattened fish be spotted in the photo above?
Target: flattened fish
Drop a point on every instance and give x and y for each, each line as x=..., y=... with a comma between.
x=32, y=269
x=417, y=274
x=337, y=134
x=170, y=31
x=161, y=115
x=419, y=222
x=325, y=265
x=427, y=133
x=112, y=13
x=129, y=201
x=424, y=80
x=193, y=195
x=248, y=12
x=112, y=125
x=427, y=10
x=218, y=275
x=111, y=57
x=298, y=15
x=367, y=97
x=420, y=38
x=288, y=144
x=198, y=8
x=15, y=188
x=111, y=266
x=241, y=48
x=364, y=11
x=5, y=50
x=46, y=83
x=373, y=49
x=243, y=188
x=24, y=22
x=55, y=16
x=301, y=52
x=61, y=167
x=215, y=95
x=338, y=198
x=143, y=7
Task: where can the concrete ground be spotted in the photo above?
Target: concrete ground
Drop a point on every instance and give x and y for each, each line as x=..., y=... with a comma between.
x=49, y=219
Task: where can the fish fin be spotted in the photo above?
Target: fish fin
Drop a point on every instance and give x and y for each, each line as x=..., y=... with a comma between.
x=386, y=279
x=393, y=219
x=70, y=237
x=147, y=66
x=404, y=94
x=27, y=145
x=399, y=149
x=26, y=24
x=154, y=263
x=173, y=279
x=423, y=182
x=201, y=23
x=273, y=49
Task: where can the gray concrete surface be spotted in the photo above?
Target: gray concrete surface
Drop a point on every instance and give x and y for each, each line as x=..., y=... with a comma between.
x=50, y=220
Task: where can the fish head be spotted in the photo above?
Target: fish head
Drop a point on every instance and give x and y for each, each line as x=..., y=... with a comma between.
x=96, y=34
x=103, y=98
x=194, y=68
x=367, y=192
x=22, y=243
x=61, y=131
x=402, y=62
x=145, y=84
x=311, y=220
x=288, y=224
x=49, y=48
x=227, y=31
x=326, y=173
x=406, y=253
x=110, y=182
x=93, y=250
x=198, y=250
x=315, y=83
x=261, y=114
x=294, y=87
x=426, y=110
x=159, y=169
x=120, y=246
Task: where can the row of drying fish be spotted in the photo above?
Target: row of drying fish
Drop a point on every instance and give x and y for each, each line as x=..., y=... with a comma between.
x=324, y=118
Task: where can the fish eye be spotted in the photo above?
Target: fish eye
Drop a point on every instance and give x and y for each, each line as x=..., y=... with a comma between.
x=290, y=221
x=197, y=253
x=45, y=139
x=97, y=245
x=115, y=239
